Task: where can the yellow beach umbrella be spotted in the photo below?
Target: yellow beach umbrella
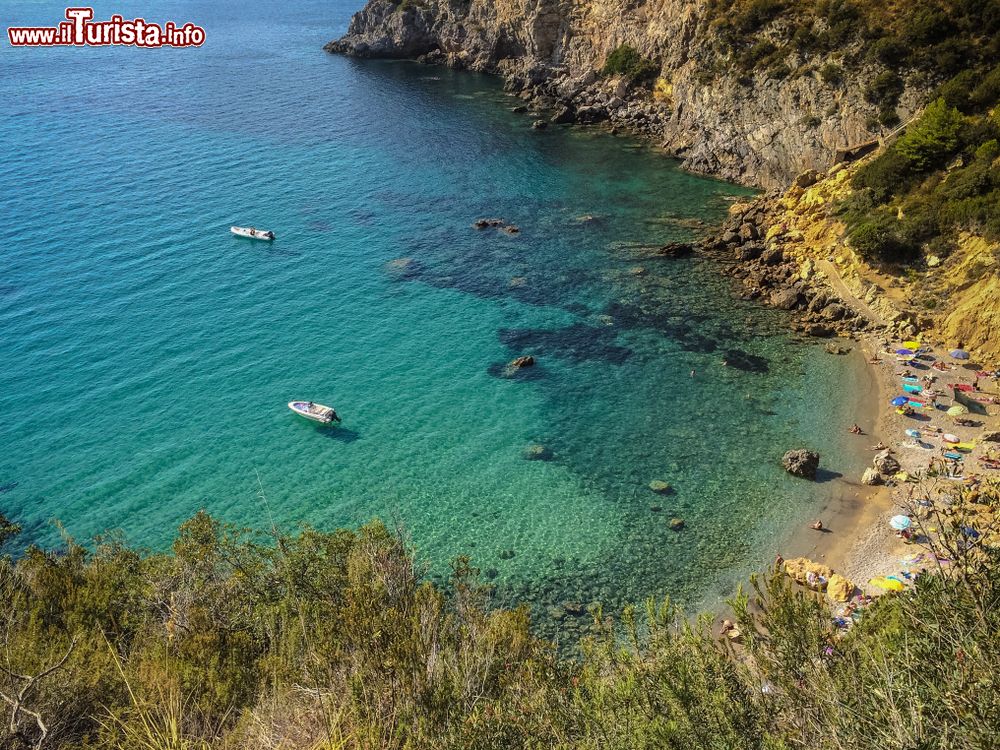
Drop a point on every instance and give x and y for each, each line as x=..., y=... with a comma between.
x=889, y=584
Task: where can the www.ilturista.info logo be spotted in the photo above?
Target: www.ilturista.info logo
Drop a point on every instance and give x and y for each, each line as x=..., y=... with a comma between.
x=80, y=30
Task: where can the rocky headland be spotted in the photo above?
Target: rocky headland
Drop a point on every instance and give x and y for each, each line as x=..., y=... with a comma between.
x=755, y=126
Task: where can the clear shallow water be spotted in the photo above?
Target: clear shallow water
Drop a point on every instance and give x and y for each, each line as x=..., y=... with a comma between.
x=148, y=355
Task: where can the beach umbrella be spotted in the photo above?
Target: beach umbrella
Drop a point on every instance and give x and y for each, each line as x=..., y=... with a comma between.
x=959, y=354
x=913, y=433
x=957, y=410
x=899, y=523
x=949, y=438
x=906, y=352
x=899, y=400
x=889, y=584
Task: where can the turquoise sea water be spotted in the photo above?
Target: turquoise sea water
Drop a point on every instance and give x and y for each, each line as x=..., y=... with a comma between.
x=148, y=355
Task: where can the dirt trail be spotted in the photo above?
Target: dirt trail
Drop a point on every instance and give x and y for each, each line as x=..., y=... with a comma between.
x=838, y=286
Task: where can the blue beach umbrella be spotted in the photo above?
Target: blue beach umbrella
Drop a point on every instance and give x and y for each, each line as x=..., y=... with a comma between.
x=899, y=400
x=959, y=354
x=900, y=522
x=913, y=433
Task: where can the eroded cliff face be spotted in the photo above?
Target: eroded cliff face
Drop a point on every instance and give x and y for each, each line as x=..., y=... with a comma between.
x=791, y=251
x=748, y=128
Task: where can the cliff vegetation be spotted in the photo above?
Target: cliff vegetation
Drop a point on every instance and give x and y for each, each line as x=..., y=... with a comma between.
x=333, y=640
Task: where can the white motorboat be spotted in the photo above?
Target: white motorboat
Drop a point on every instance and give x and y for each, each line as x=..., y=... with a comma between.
x=252, y=233
x=315, y=412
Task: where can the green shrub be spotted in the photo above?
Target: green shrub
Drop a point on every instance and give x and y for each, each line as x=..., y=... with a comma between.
x=957, y=91
x=932, y=138
x=885, y=88
x=879, y=242
x=888, y=51
x=885, y=175
x=626, y=61
x=887, y=117
x=831, y=73
x=987, y=91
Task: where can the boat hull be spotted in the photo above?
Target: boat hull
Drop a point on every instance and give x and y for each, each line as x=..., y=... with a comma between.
x=314, y=412
x=252, y=234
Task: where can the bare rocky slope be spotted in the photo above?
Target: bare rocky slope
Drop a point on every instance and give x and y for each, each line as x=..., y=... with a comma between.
x=756, y=127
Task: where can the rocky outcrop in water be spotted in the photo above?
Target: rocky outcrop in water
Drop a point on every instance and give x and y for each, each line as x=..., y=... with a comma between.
x=801, y=463
x=759, y=127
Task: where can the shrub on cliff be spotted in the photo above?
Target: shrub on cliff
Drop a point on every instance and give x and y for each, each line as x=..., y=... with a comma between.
x=626, y=61
x=932, y=138
x=880, y=242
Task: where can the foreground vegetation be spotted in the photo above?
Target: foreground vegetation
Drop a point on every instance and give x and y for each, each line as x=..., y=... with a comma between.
x=331, y=640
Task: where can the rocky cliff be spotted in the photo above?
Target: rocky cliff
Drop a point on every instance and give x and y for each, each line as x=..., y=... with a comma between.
x=757, y=126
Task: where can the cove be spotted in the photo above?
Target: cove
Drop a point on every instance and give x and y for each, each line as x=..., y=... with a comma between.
x=149, y=354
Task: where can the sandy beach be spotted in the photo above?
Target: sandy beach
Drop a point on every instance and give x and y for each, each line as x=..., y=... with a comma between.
x=858, y=542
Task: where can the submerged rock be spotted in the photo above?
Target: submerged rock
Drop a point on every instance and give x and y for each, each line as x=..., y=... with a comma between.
x=676, y=524
x=835, y=348
x=801, y=463
x=488, y=223
x=539, y=125
x=675, y=250
x=660, y=487
x=537, y=453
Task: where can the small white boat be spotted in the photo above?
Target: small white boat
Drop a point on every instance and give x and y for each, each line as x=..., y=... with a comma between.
x=314, y=411
x=252, y=233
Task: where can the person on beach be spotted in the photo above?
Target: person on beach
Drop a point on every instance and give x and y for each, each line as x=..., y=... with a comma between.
x=879, y=446
x=816, y=526
x=856, y=429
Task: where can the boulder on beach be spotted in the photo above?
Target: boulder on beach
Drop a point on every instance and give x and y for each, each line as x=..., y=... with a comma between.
x=660, y=487
x=885, y=463
x=801, y=463
x=808, y=573
x=839, y=589
x=871, y=477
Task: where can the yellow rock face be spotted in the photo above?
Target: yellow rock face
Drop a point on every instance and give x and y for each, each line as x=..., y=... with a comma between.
x=663, y=90
x=956, y=300
x=804, y=571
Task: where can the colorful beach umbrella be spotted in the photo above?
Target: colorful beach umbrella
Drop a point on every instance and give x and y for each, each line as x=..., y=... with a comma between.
x=957, y=410
x=959, y=354
x=899, y=401
x=899, y=523
x=906, y=352
x=889, y=584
